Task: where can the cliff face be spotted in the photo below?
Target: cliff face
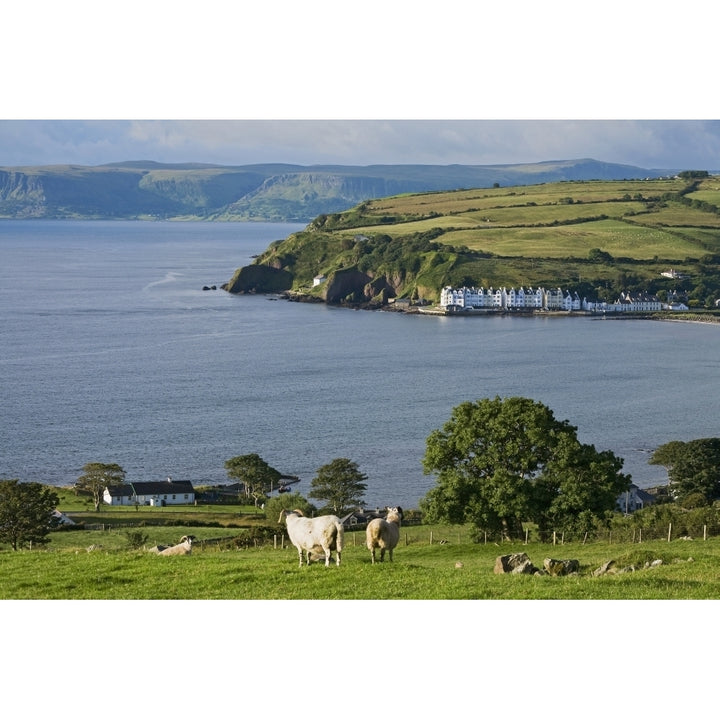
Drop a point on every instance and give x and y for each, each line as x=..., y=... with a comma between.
x=259, y=279
x=21, y=195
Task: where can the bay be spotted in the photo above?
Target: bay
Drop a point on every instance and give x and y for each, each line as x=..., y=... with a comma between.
x=113, y=352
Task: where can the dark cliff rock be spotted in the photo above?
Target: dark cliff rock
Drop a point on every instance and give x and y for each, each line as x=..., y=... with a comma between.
x=259, y=279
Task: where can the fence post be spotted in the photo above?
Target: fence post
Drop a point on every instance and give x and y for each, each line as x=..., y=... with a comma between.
x=704, y=532
x=526, y=535
x=669, y=531
x=554, y=537
x=431, y=537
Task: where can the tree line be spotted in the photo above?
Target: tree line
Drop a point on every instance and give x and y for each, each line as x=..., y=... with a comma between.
x=500, y=464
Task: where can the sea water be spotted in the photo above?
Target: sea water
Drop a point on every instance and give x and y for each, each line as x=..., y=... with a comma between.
x=113, y=352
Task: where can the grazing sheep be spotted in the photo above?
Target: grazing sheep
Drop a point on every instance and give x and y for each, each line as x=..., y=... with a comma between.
x=384, y=534
x=319, y=535
x=184, y=547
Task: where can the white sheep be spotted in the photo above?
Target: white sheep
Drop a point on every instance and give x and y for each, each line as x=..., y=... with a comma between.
x=384, y=534
x=320, y=534
x=184, y=547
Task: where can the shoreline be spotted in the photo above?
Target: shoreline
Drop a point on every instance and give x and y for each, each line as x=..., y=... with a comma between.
x=438, y=311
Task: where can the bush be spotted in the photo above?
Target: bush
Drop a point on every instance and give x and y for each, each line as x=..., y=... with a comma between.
x=252, y=537
x=135, y=539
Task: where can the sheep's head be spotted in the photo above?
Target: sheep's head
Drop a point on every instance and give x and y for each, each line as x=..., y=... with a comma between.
x=188, y=539
x=284, y=513
x=394, y=514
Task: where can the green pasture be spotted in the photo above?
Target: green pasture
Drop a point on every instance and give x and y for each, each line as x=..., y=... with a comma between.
x=544, y=194
x=556, y=220
x=616, y=237
x=679, y=215
x=431, y=563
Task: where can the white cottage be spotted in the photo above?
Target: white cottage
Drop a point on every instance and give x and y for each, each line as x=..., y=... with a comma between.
x=169, y=492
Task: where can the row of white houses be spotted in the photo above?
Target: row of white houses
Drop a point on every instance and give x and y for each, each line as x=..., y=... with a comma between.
x=540, y=299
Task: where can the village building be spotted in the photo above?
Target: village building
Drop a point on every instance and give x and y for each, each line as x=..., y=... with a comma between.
x=554, y=299
x=512, y=299
x=633, y=499
x=168, y=492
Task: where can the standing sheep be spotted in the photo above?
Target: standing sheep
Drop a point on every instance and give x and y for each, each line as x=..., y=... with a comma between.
x=384, y=534
x=320, y=534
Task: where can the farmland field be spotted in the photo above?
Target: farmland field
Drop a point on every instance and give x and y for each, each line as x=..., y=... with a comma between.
x=431, y=563
x=558, y=220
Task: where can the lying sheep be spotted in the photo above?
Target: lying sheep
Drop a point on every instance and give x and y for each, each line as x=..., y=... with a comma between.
x=384, y=534
x=184, y=547
x=320, y=534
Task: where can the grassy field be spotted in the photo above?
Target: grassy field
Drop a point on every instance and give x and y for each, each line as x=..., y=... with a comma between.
x=445, y=636
x=559, y=219
x=431, y=563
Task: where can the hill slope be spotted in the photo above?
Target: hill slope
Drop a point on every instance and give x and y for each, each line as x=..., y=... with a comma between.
x=597, y=238
x=272, y=192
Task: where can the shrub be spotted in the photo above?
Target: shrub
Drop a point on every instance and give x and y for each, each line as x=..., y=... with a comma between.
x=135, y=539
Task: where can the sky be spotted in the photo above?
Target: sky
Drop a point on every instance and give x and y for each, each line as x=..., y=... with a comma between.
x=654, y=144
x=324, y=83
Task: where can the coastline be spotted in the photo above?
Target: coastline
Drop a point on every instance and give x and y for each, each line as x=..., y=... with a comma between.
x=438, y=311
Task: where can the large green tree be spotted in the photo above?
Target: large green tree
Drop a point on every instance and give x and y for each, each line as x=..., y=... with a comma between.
x=96, y=477
x=26, y=513
x=501, y=462
x=578, y=486
x=340, y=484
x=257, y=476
x=693, y=467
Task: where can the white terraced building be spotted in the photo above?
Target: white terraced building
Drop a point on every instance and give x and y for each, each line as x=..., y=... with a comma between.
x=628, y=302
x=540, y=299
x=535, y=299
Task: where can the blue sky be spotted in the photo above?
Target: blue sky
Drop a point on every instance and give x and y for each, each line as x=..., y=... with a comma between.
x=319, y=82
x=673, y=144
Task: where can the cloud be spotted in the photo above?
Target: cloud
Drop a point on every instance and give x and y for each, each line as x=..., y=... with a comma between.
x=669, y=144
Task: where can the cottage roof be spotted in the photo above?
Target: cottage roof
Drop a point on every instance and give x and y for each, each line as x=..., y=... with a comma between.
x=151, y=488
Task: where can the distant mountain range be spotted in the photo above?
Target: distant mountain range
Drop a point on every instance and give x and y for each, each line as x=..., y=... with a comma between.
x=147, y=190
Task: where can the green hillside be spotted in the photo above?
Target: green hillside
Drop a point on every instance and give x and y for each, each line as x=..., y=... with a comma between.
x=269, y=192
x=594, y=237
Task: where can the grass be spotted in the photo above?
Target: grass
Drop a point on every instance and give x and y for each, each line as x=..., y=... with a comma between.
x=450, y=567
x=501, y=220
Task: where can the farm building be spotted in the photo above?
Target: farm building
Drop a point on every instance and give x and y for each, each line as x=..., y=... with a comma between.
x=169, y=492
x=634, y=499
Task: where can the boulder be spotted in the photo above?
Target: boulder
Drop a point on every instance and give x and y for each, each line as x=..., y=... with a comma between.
x=518, y=563
x=561, y=567
x=608, y=567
